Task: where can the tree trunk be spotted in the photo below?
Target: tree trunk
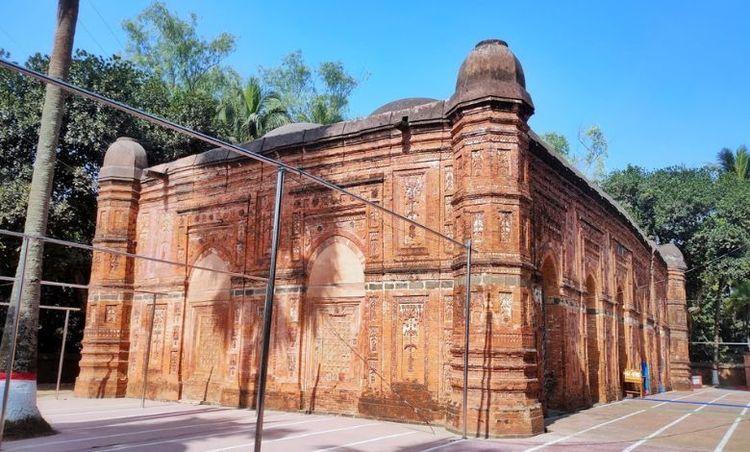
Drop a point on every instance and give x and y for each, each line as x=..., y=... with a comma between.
x=22, y=415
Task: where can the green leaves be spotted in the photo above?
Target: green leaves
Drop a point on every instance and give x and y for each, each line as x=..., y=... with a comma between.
x=87, y=129
x=737, y=162
x=558, y=142
x=308, y=95
x=706, y=214
x=169, y=47
x=590, y=158
x=249, y=112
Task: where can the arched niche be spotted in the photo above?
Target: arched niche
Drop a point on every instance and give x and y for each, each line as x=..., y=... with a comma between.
x=554, y=334
x=336, y=270
x=622, y=354
x=208, y=325
x=550, y=281
x=208, y=285
x=592, y=338
x=334, y=299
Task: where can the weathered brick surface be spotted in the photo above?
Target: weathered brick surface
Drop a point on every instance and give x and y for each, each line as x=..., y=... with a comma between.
x=369, y=310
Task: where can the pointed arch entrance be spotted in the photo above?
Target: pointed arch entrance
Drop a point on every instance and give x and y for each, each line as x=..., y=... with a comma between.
x=335, y=292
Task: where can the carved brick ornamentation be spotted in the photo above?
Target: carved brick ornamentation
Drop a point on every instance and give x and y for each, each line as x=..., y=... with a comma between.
x=506, y=225
x=411, y=341
x=369, y=309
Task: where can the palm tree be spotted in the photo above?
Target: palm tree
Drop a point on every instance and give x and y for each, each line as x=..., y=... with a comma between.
x=737, y=162
x=324, y=110
x=23, y=416
x=249, y=112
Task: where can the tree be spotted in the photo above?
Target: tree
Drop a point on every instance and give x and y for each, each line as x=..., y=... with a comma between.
x=596, y=147
x=558, y=142
x=739, y=303
x=161, y=42
x=23, y=416
x=725, y=241
x=737, y=163
x=330, y=106
x=251, y=111
x=86, y=131
x=322, y=96
x=591, y=159
x=707, y=215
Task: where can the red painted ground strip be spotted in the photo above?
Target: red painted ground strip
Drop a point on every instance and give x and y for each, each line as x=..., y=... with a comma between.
x=19, y=376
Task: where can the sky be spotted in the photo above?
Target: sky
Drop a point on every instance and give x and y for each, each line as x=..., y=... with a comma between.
x=668, y=82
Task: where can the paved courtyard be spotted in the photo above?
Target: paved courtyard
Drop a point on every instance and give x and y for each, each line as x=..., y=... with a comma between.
x=707, y=419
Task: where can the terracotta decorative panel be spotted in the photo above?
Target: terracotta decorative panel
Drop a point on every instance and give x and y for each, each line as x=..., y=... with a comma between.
x=335, y=342
x=411, y=339
x=157, y=341
x=411, y=193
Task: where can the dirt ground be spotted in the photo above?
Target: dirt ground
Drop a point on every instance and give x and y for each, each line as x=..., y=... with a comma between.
x=706, y=419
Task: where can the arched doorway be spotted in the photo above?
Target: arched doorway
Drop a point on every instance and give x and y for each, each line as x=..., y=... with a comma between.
x=554, y=338
x=592, y=339
x=205, y=344
x=622, y=356
x=335, y=292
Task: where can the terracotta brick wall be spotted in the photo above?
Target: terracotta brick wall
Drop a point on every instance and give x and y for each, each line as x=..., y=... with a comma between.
x=369, y=315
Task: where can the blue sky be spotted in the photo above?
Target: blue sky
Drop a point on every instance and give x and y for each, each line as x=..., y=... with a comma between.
x=668, y=82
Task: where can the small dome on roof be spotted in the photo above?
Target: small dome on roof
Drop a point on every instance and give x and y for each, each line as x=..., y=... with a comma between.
x=490, y=70
x=403, y=104
x=125, y=158
x=291, y=128
x=672, y=256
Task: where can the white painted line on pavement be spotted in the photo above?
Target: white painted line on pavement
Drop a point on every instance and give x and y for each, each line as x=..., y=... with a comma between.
x=64, y=411
x=671, y=424
x=115, y=435
x=108, y=410
x=201, y=436
x=443, y=446
x=304, y=435
x=730, y=431
x=380, y=438
x=146, y=417
x=573, y=435
x=680, y=398
x=580, y=432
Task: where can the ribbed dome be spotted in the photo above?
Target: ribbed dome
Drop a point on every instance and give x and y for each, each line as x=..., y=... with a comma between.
x=125, y=158
x=490, y=70
x=403, y=104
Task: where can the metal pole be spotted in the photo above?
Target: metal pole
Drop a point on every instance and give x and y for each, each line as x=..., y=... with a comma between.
x=467, y=320
x=62, y=354
x=15, y=312
x=148, y=352
x=268, y=311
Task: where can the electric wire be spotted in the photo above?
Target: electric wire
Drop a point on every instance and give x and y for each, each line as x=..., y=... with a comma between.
x=106, y=23
x=91, y=35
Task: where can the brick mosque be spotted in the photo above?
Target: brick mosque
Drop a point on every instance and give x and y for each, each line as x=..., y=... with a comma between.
x=567, y=292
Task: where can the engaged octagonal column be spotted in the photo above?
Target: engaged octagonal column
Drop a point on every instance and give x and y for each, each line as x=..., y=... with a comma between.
x=679, y=356
x=489, y=113
x=106, y=343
